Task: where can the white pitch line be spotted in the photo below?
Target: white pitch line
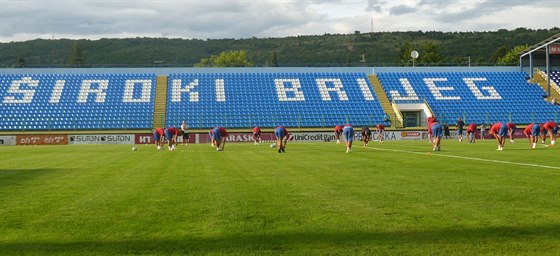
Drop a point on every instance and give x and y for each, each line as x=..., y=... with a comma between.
x=468, y=158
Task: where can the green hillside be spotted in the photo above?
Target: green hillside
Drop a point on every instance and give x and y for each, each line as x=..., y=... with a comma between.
x=380, y=49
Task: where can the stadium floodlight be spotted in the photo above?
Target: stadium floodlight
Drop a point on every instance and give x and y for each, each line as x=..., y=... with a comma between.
x=414, y=55
x=468, y=58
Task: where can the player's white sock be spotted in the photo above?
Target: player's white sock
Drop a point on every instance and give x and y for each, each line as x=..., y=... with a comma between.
x=511, y=141
x=534, y=145
x=337, y=141
x=552, y=142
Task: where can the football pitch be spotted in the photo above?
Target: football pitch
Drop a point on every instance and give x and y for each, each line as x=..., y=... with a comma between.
x=398, y=198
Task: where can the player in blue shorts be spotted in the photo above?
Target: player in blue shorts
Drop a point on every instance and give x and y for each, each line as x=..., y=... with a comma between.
x=158, y=137
x=437, y=132
x=348, y=132
x=535, y=132
x=281, y=138
x=171, y=134
x=216, y=138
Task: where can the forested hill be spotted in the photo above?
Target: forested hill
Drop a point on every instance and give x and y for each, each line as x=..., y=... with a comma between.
x=379, y=49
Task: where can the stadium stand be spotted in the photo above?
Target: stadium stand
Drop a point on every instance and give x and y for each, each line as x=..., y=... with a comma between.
x=476, y=96
x=241, y=100
x=555, y=77
x=76, y=101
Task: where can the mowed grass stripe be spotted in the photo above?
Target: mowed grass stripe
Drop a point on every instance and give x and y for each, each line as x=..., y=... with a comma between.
x=250, y=200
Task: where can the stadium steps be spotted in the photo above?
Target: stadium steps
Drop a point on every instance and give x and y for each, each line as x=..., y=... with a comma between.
x=539, y=79
x=160, y=101
x=385, y=103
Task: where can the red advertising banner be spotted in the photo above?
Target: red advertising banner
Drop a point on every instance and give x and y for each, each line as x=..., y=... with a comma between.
x=41, y=140
x=237, y=137
x=554, y=49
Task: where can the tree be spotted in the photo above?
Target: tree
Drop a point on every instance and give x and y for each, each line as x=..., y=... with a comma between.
x=77, y=55
x=404, y=54
x=430, y=54
x=274, y=60
x=512, y=57
x=501, y=52
x=20, y=62
x=227, y=59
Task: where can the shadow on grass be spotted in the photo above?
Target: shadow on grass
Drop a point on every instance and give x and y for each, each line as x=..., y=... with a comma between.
x=9, y=177
x=253, y=243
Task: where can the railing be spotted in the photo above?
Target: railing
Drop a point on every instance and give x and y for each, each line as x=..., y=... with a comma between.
x=553, y=84
x=428, y=107
x=398, y=113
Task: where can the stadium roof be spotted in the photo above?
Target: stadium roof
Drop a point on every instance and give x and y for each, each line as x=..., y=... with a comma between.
x=541, y=46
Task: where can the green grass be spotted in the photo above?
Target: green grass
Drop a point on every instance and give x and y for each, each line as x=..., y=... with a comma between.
x=250, y=200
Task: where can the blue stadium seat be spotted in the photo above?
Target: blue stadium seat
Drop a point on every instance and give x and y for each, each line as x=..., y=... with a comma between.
x=269, y=99
x=479, y=97
x=62, y=102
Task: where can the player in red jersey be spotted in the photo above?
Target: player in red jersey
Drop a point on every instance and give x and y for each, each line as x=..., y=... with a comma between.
x=551, y=128
x=470, y=132
x=499, y=130
x=429, y=121
x=256, y=135
x=528, y=132
x=380, y=129
x=171, y=134
x=337, y=133
x=158, y=137
x=436, y=130
x=511, y=130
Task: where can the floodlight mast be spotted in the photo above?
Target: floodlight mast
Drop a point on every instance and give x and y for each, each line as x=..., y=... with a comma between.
x=414, y=55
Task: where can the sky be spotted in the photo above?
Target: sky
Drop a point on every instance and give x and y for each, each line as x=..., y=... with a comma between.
x=22, y=20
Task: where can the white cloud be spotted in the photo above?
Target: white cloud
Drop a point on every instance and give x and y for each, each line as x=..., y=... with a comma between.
x=24, y=20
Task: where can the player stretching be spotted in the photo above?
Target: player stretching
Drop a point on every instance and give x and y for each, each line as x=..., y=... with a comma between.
x=337, y=132
x=499, y=130
x=511, y=130
x=281, y=138
x=470, y=132
x=171, y=134
x=223, y=138
x=158, y=137
x=380, y=129
x=211, y=134
x=366, y=135
x=256, y=135
x=542, y=131
x=528, y=132
x=435, y=129
x=552, y=129
x=348, y=132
